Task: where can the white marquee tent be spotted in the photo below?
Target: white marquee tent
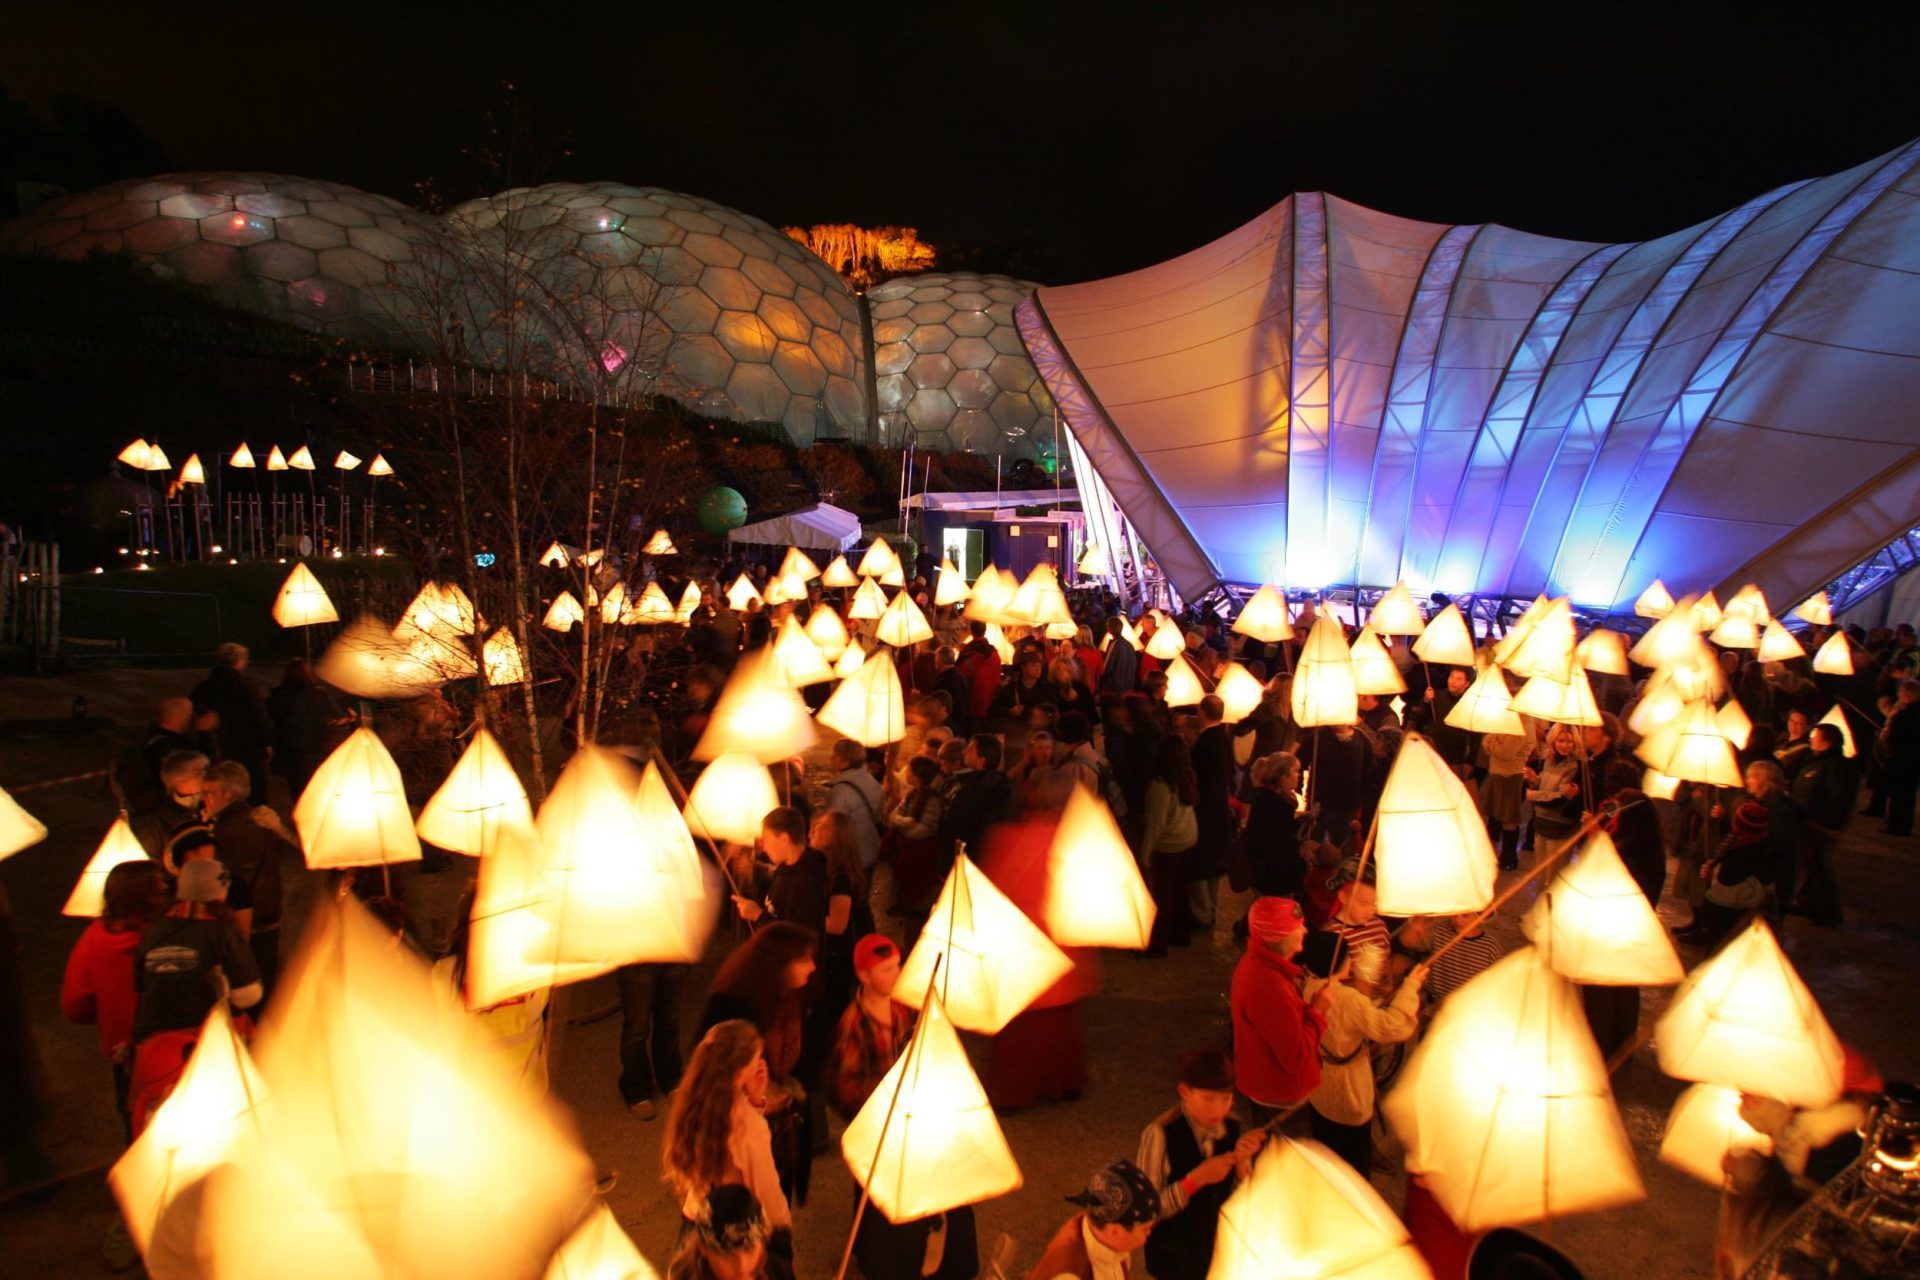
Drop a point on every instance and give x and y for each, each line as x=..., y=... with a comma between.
x=820, y=527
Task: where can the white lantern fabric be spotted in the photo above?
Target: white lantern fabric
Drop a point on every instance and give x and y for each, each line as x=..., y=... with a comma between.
x=1446, y=639
x=510, y=939
x=1546, y=647
x=367, y=661
x=1305, y=1214
x=869, y=602
x=1323, y=690
x=798, y=658
x=1183, y=682
x=1655, y=602
x=742, y=594
x=481, y=802
x=1397, y=614
x=505, y=661
x=1095, y=895
x=839, y=574
x=1486, y=706
x=1834, y=657
x=1430, y=842
x=1704, y=1128
x=302, y=601
x=1239, y=692
x=994, y=962
x=1568, y=702
x=120, y=845
x=949, y=586
x=564, y=613
x=1838, y=719
x=599, y=1250
x=354, y=811
x=730, y=799
x=1373, y=668
x=1816, y=609
x=1693, y=749
x=827, y=631
x=902, y=623
x=1595, y=926
x=1264, y=617
x=18, y=828
x=1603, y=651
x=869, y=706
x=757, y=713
x=1166, y=643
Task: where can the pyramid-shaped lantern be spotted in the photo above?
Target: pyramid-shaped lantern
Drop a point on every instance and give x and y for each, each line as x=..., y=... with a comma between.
x=1397, y=614
x=798, y=564
x=510, y=939
x=136, y=454
x=1093, y=562
x=556, y=556
x=926, y=1140
x=996, y=961
x=1039, y=602
x=344, y=461
x=1659, y=786
x=599, y=1250
x=1095, y=896
x=1373, y=668
x=827, y=631
x=1595, y=926
x=354, y=811
x=653, y=609
x=1548, y=647
x=949, y=586
x=1603, y=651
x=120, y=845
x=191, y=471
x=1748, y=602
x=879, y=561
x=1264, y=617
x=742, y=594
x=989, y=596
x=1166, y=643
x=1693, y=749
x=1704, y=1128
x=301, y=459
x=1306, y=1215
x=1486, y=706
x=799, y=659
x=18, y=828
x=869, y=602
x=660, y=544
x=242, y=458
x=1507, y=645
x=479, y=805
x=506, y=663
x=1838, y=719
x=1446, y=639
x=730, y=799
x=1704, y=613
x=156, y=458
x=1430, y=842
x=839, y=574
x=786, y=588
x=689, y=604
x=1670, y=641
x=1562, y=702
x=1323, y=688
x=302, y=601
x=366, y=661
x=1816, y=609
x=852, y=658
x=758, y=714
x=440, y=610
x=673, y=838
x=1239, y=691
x=1777, y=644
x=613, y=605
x=564, y=613
x=1002, y=646
x=276, y=460
x=379, y=466
x=1735, y=724
x=1655, y=602
x=1833, y=657
x=869, y=706
x=1735, y=632
x=1744, y=1019
x=902, y=623
x=1183, y=682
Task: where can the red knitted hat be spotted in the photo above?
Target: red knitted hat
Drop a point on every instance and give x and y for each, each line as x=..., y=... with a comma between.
x=871, y=950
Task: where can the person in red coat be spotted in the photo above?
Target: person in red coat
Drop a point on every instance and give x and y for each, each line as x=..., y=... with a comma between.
x=1276, y=1033
x=98, y=987
x=979, y=666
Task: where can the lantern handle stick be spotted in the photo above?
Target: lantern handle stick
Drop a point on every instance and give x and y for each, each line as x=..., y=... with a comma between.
x=680, y=792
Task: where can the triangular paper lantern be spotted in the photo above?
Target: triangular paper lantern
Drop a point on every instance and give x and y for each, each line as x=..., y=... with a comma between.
x=799, y=659
x=1655, y=602
x=1002, y=647
x=136, y=454
x=1095, y=896
x=242, y=458
x=302, y=601
x=1430, y=842
x=120, y=845
x=1838, y=719
x=786, y=588
x=1505, y=1109
x=1705, y=613
x=1571, y=702
x=1305, y=1214
x=851, y=659
x=1183, y=682
x=742, y=594
x=1673, y=639
x=481, y=803
x=1693, y=749
x=878, y=561
x=989, y=596
x=354, y=811
x=673, y=839
x=301, y=459
x=690, y=601
x=869, y=602
x=1264, y=617
x=1595, y=926
x=1816, y=609
x=564, y=613
x=730, y=799
x=190, y=1134
x=949, y=586
x=378, y=1153
x=1603, y=651
x=1373, y=668
x=613, y=605
x=18, y=828
x=365, y=660
x=1093, y=562
x=1834, y=657
x=156, y=458
x=653, y=609
x=1734, y=723
x=505, y=662
x=1704, y=1128
x=1397, y=614
x=1446, y=639
x=1166, y=643
x=901, y=623
x=510, y=936
x=276, y=461
x=839, y=574
x=997, y=962
x=191, y=472
x=1660, y=705
x=798, y=564
x=1778, y=644
x=660, y=544
x=1659, y=786
x=1748, y=602
x=1744, y=1019
x=1039, y=602
x=555, y=556
x=1736, y=633
x=1507, y=645
x=345, y=461
x=759, y=714
x=1239, y=692
x=828, y=633
x=1486, y=706
x=926, y=1139
x=441, y=610
x=869, y=706
x=1547, y=648
x=379, y=466
x=599, y=1250
x=1323, y=689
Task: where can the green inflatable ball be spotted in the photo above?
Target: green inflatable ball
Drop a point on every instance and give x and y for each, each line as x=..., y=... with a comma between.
x=722, y=509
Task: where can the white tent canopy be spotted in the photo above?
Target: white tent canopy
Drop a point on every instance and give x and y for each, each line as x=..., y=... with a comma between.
x=820, y=527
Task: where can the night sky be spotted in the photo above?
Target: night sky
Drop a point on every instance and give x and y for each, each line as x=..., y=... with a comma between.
x=1063, y=141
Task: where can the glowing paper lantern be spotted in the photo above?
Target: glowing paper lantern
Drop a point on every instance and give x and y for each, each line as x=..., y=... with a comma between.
x=800, y=661
x=276, y=461
x=18, y=828
x=1834, y=657
x=1745, y=1020
x=1001, y=645
x=1305, y=1214
x=1603, y=651
x=879, y=562
x=1659, y=786
x=510, y=947
x=800, y=565
x=730, y=798
x=1486, y=706
x=997, y=961
x=851, y=659
x=136, y=454
x=480, y=803
x=1655, y=602
x=1093, y=562
x=1373, y=668
x=1838, y=720
x=689, y=604
x=1095, y=896
x=827, y=632
x=1704, y=1128
x=869, y=602
x=1166, y=643
x=1673, y=639
x=902, y=624
x=120, y=845
x=1816, y=609
x=1705, y=612
x=1446, y=639
x=1693, y=749
x=653, y=609
x=1505, y=1109
x=1239, y=693
x=1127, y=633
x=190, y=1134
x=660, y=544
x=989, y=596
x=1734, y=723
x=673, y=838
x=1544, y=698
x=1264, y=617
x=1505, y=647
x=365, y=660
x=564, y=613
x=345, y=461
x=1547, y=648
x=505, y=663
x=1430, y=841
x=191, y=472
x=354, y=811
x=613, y=605
x=1397, y=614
x=1039, y=602
x=1736, y=633
x=926, y=1139
x=786, y=588
x=869, y=706
x=379, y=466
x=1183, y=682
x=377, y=1153
x=555, y=556
x=757, y=713
x=1595, y=926
x=302, y=459
x=302, y=601
x=949, y=587
x=242, y=457
x=838, y=574
x=1779, y=645
x=599, y=1250
x=742, y=594
x=156, y=458
x=1748, y=602
x=1323, y=687
x=439, y=609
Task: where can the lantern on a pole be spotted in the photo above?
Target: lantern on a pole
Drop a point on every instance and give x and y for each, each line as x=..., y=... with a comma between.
x=1546, y=648
x=949, y=586
x=797, y=564
x=1486, y=706
x=757, y=714
x=505, y=662
x=1704, y=1128
x=798, y=658
x=1323, y=687
x=1093, y=562
x=869, y=602
x=1430, y=842
x=242, y=458
x=120, y=845
x=1239, y=692
x=301, y=459
x=1838, y=719
x=1777, y=644
x=852, y=658
x=881, y=562
x=354, y=812
x=730, y=798
x=660, y=544
x=1834, y=657
x=869, y=706
x=599, y=1250
x=1693, y=749
x=989, y=596
x=1446, y=639
x=344, y=461
x=1305, y=1214
x=1095, y=896
x=1749, y=602
x=1562, y=702
x=1603, y=651
x=839, y=574
x=1183, y=682
x=564, y=613
x=742, y=594
x=1373, y=668
x=276, y=461
x=1595, y=926
x=379, y=467
x=191, y=472
x=18, y=828
x=902, y=623
x=302, y=601
x=1039, y=602
x=480, y=804
x=827, y=631
x=994, y=962
x=1655, y=602
x=1816, y=609
x=1397, y=614
x=1264, y=617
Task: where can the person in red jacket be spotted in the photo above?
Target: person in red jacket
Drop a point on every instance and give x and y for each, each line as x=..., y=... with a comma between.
x=98, y=987
x=1276, y=1034
x=979, y=666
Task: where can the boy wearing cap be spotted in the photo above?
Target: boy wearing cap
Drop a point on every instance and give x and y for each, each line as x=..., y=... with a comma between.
x=1193, y=1153
x=1276, y=1032
x=874, y=1030
x=1121, y=1207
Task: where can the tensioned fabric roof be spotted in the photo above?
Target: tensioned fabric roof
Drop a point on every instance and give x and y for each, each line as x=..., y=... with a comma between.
x=1331, y=395
x=820, y=527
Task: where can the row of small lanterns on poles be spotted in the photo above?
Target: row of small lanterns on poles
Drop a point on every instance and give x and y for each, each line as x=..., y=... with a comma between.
x=144, y=455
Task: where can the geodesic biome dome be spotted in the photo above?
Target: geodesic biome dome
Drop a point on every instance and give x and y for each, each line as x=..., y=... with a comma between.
x=316, y=254
x=722, y=310
x=950, y=370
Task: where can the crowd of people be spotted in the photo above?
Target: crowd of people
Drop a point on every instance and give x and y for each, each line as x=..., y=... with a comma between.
x=801, y=1020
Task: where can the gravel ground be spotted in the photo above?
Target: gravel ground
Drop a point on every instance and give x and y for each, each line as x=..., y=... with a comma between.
x=1147, y=1014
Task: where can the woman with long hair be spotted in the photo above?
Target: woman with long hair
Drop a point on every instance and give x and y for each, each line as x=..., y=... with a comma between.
x=1554, y=788
x=764, y=983
x=1168, y=835
x=717, y=1132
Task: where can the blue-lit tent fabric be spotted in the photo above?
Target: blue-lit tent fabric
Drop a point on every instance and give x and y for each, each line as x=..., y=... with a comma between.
x=1331, y=395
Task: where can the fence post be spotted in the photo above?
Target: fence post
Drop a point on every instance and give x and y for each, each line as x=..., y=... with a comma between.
x=53, y=600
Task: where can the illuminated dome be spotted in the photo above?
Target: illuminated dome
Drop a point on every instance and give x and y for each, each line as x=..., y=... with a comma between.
x=316, y=254
x=950, y=371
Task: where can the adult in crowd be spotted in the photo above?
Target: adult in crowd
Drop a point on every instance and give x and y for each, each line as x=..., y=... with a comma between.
x=1554, y=790
x=1735, y=877
x=1340, y=758
x=765, y=982
x=1087, y=656
x=1033, y=774
x=856, y=793
x=1276, y=1032
x=1824, y=785
x=979, y=665
x=1068, y=689
x=308, y=722
x=1169, y=830
x=1272, y=836
x=1455, y=746
x=1120, y=1208
x=1897, y=752
x=913, y=832
x=99, y=986
x=245, y=731
x=1503, y=791
x=979, y=797
x=1194, y=1153
x=1029, y=687
x=948, y=679
x=254, y=843
x=717, y=1132
x=1213, y=772
x=795, y=889
x=650, y=1055
x=1341, y=1105
x=182, y=779
x=1120, y=668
